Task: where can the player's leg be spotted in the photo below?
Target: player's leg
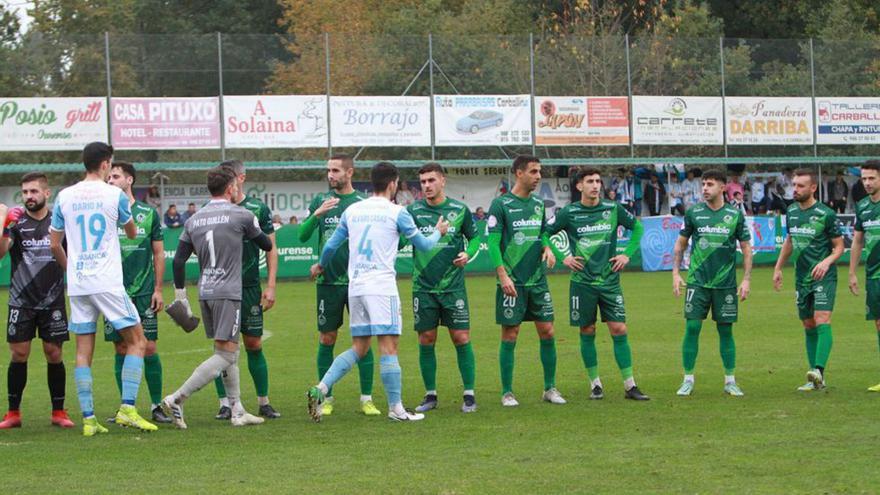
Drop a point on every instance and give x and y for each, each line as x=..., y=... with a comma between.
x=152, y=362
x=876, y=388
x=426, y=318
x=455, y=315
x=252, y=334
x=56, y=375
x=390, y=373
x=725, y=311
x=509, y=313
x=823, y=304
x=132, y=374
x=697, y=301
x=539, y=308
x=342, y=364
x=583, y=305
x=83, y=324
x=872, y=311
x=16, y=380
x=623, y=357
x=805, y=301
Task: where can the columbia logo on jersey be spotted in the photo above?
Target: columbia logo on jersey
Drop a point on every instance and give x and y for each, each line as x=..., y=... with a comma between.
x=532, y=222
x=36, y=243
x=802, y=230
x=718, y=229
x=601, y=227
x=871, y=223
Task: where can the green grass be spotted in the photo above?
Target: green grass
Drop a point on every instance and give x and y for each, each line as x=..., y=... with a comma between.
x=774, y=440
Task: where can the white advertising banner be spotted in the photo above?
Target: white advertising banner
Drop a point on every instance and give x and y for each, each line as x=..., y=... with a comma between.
x=848, y=120
x=677, y=120
x=482, y=120
x=49, y=124
x=275, y=121
x=380, y=121
x=759, y=120
x=581, y=121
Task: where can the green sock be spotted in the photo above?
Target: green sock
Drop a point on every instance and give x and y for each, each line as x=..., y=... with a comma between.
x=259, y=369
x=623, y=355
x=428, y=365
x=153, y=375
x=811, y=336
x=588, y=355
x=466, y=365
x=221, y=390
x=823, y=347
x=117, y=370
x=548, y=362
x=727, y=347
x=325, y=359
x=365, y=370
x=878, y=337
x=506, y=357
x=691, y=345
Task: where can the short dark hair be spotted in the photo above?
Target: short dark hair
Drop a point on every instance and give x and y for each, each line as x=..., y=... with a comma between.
x=35, y=176
x=872, y=165
x=127, y=169
x=219, y=179
x=346, y=159
x=586, y=172
x=172, y=205
x=522, y=162
x=432, y=167
x=96, y=153
x=807, y=172
x=716, y=175
x=237, y=166
x=383, y=174
x=191, y=204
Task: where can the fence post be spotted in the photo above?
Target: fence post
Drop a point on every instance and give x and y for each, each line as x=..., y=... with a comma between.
x=532, y=89
x=431, y=89
x=220, y=87
x=629, y=94
x=109, y=85
x=723, y=94
x=327, y=78
x=813, y=110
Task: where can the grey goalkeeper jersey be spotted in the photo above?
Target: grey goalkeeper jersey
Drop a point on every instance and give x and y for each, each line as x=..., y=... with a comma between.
x=217, y=232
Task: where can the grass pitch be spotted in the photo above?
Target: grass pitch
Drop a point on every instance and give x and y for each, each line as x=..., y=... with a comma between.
x=773, y=440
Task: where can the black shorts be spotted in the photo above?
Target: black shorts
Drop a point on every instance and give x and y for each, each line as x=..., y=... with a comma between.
x=22, y=324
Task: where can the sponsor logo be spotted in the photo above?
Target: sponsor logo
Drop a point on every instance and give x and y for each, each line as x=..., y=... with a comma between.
x=416, y=317
x=606, y=214
x=452, y=216
x=36, y=243
x=688, y=307
x=255, y=310
x=820, y=289
x=547, y=297
x=519, y=238
x=713, y=229
x=532, y=222
x=619, y=299
x=600, y=227
x=459, y=304
x=728, y=299
x=508, y=313
x=492, y=222
x=677, y=107
x=11, y=330
x=575, y=315
x=140, y=217
x=802, y=230
x=704, y=243
x=323, y=320
x=727, y=218
x=56, y=315
x=538, y=209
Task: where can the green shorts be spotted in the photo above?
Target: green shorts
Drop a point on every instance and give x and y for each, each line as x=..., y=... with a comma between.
x=332, y=300
x=584, y=300
x=532, y=303
x=872, y=299
x=724, y=304
x=148, y=320
x=817, y=296
x=252, y=311
x=449, y=309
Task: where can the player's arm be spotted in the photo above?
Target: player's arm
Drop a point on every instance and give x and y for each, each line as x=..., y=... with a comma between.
x=268, y=298
x=307, y=228
x=784, y=254
x=620, y=261
x=407, y=226
x=495, y=228
x=469, y=231
x=832, y=229
x=855, y=254
x=125, y=220
x=677, y=255
x=333, y=243
x=745, y=285
x=550, y=254
x=156, y=302
x=56, y=236
x=178, y=266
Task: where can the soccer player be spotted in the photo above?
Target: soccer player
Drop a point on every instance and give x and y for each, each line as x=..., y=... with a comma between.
x=439, y=295
x=591, y=225
x=143, y=266
x=215, y=233
x=715, y=227
x=519, y=248
x=325, y=211
x=87, y=213
x=36, y=299
x=815, y=240
x=254, y=300
x=374, y=226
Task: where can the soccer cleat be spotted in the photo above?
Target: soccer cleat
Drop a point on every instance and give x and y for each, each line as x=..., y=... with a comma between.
x=11, y=420
x=315, y=397
x=246, y=419
x=407, y=415
x=269, y=412
x=112, y=419
x=91, y=427
x=370, y=409
x=60, y=418
x=733, y=389
x=469, y=404
x=597, y=393
x=814, y=376
x=509, y=400
x=635, y=394
x=127, y=416
x=428, y=403
x=875, y=388
x=174, y=411
x=686, y=389
x=553, y=396
x=159, y=415
x=327, y=406
x=224, y=414
x=807, y=387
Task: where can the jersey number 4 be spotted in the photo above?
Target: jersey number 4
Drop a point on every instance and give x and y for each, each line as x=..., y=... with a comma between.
x=365, y=246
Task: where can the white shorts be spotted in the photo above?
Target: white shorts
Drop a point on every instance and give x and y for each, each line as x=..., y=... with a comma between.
x=375, y=315
x=116, y=307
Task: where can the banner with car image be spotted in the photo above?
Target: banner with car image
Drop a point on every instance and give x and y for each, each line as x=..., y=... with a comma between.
x=482, y=120
x=581, y=121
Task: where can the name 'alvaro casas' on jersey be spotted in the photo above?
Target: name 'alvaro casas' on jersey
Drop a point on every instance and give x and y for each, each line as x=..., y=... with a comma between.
x=520, y=223
x=433, y=271
x=714, y=234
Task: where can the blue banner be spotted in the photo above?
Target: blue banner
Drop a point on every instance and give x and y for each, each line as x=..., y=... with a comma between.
x=763, y=230
x=659, y=241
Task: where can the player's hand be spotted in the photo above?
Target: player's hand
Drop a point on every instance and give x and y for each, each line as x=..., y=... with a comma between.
x=677, y=284
x=820, y=270
x=574, y=263
x=315, y=270
x=507, y=286
x=461, y=259
x=744, y=288
x=156, y=301
x=5, y=212
x=777, y=280
x=442, y=226
x=853, y=284
x=180, y=295
x=326, y=206
x=268, y=298
x=619, y=262
x=549, y=258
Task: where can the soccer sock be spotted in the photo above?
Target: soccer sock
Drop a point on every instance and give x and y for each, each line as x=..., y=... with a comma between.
x=389, y=371
x=232, y=383
x=507, y=358
x=131, y=378
x=466, y=365
x=341, y=365
x=727, y=348
x=83, y=377
x=259, y=369
x=823, y=347
x=623, y=356
x=16, y=379
x=428, y=366
x=221, y=390
x=203, y=374
x=365, y=372
x=153, y=374
x=811, y=336
x=691, y=345
x=548, y=362
x=588, y=355
x=56, y=376
x=325, y=359
x=118, y=359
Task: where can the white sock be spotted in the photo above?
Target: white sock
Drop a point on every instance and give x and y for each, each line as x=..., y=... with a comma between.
x=596, y=383
x=431, y=392
x=323, y=388
x=629, y=383
x=238, y=409
x=689, y=378
x=365, y=398
x=729, y=379
x=469, y=392
x=398, y=409
x=263, y=401
x=153, y=406
x=224, y=402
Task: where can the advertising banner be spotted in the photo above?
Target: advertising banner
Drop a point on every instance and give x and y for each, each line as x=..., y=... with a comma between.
x=677, y=120
x=759, y=120
x=581, y=121
x=380, y=121
x=848, y=120
x=165, y=123
x=482, y=120
x=763, y=230
x=275, y=121
x=49, y=124
x=658, y=242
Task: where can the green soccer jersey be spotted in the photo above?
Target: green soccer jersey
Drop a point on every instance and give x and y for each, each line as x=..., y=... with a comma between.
x=592, y=232
x=138, y=274
x=811, y=231
x=520, y=223
x=250, y=254
x=868, y=221
x=713, y=235
x=336, y=272
x=433, y=271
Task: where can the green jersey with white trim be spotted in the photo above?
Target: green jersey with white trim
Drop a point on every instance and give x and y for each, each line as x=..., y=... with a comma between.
x=250, y=255
x=811, y=231
x=433, y=270
x=520, y=223
x=713, y=234
x=138, y=275
x=336, y=272
x=868, y=221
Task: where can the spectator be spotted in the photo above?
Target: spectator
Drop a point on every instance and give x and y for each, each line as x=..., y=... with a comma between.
x=623, y=186
x=294, y=220
x=775, y=199
x=786, y=183
x=836, y=193
x=190, y=211
x=276, y=222
x=739, y=203
x=479, y=214
x=692, y=189
x=858, y=192
x=611, y=194
x=733, y=187
x=637, y=192
x=676, y=195
x=654, y=195
x=154, y=199
x=759, y=198
x=172, y=218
